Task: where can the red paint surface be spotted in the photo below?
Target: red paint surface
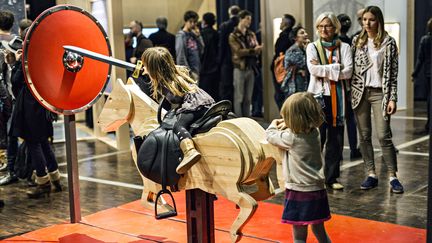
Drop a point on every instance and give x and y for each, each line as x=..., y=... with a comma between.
x=58, y=87
x=132, y=223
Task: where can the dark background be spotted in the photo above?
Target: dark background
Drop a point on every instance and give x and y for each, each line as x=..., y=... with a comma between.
x=17, y=7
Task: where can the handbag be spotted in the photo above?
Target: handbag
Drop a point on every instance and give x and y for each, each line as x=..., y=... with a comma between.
x=279, y=69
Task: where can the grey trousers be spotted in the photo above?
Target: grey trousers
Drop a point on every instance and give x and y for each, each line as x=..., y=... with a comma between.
x=243, y=88
x=372, y=99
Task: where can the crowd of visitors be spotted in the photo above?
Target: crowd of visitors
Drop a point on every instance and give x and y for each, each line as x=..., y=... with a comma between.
x=332, y=82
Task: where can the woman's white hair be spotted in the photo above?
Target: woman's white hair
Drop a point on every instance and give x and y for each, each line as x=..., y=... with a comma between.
x=333, y=19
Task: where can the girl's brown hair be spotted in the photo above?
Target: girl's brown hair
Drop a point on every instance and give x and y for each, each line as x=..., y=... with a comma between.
x=165, y=74
x=301, y=112
x=362, y=39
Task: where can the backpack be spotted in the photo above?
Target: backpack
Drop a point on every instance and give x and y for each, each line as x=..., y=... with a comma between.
x=23, y=168
x=279, y=69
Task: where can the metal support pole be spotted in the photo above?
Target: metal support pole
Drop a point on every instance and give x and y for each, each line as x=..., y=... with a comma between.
x=72, y=168
x=200, y=216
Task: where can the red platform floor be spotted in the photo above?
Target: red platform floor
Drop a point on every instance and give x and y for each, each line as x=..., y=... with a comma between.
x=132, y=223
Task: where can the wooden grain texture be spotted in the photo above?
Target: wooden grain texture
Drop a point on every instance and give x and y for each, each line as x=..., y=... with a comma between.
x=117, y=108
x=232, y=156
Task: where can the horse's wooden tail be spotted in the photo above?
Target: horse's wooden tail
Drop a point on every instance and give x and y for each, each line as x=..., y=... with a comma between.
x=260, y=178
x=261, y=170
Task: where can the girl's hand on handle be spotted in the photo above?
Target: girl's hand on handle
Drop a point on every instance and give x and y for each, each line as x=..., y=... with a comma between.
x=391, y=107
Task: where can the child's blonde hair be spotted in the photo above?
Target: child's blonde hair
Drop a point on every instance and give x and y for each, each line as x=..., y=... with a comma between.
x=165, y=74
x=301, y=112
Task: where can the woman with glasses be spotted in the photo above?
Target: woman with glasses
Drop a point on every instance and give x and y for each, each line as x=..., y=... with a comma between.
x=330, y=64
x=374, y=88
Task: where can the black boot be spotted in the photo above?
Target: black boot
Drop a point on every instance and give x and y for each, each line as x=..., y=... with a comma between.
x=55, y=180
x=1, y=203
x=9, y=178
x=43, y=187
x=57, y=186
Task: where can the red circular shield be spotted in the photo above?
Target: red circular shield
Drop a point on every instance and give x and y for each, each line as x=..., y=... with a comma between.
x=56, y=88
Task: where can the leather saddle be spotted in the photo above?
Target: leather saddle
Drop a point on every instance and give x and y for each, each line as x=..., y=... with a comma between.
x=217, y=112
x=159, y=154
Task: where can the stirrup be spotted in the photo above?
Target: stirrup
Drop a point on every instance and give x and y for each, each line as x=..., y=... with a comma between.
x=170, y=213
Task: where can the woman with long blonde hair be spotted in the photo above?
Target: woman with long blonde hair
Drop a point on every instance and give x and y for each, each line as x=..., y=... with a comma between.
x=181, y=91
x=374, y=88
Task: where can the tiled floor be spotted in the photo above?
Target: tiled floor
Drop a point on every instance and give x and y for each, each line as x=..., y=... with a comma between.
x=132, y=223
x=109, y=179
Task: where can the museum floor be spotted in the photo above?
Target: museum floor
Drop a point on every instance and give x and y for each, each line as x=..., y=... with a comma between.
x=109, y=180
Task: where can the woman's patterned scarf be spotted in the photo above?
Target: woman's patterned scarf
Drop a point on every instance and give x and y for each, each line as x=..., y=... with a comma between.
x=337, y=89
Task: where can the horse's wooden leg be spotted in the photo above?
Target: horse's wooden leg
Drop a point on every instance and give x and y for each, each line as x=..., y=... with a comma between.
x=248, y=206
x=148, y=198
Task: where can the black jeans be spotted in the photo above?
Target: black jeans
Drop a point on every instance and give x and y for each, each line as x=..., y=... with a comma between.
x=12, y=150
x=351, y=125
x=332, y=139
x=257, y=95
x=184, y=120
x=226, y=88
x=42, y=156
x=12, y=146
x=279, y=96
x=209, y=82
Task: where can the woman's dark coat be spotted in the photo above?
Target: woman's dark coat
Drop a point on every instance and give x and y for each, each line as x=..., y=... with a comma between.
x=30, y=120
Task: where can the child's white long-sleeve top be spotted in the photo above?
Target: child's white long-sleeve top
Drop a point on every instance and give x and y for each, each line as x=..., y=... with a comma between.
x=302, y=162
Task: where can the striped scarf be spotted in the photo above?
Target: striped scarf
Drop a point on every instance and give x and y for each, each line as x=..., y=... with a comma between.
x=337, y=89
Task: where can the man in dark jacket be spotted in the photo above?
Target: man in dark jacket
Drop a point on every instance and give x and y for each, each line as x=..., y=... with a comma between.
x=224, y=57
x=283, y=42
x=162, y=37
x=142, y=42
x=424, y=58
x=209, y=75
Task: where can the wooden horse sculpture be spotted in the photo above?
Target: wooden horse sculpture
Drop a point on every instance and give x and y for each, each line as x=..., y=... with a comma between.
x=234, y=154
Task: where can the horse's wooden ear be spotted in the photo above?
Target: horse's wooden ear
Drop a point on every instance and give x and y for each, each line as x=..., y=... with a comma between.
x=117, y=109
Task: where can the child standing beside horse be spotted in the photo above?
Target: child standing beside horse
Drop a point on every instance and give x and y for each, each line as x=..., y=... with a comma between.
x=182, y=92
x=306, y=201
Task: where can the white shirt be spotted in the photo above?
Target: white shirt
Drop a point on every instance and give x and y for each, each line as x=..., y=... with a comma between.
x=328, y=71
x=374, y=74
